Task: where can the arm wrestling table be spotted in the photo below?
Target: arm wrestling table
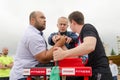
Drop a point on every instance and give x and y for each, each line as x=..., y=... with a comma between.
x=68, y=67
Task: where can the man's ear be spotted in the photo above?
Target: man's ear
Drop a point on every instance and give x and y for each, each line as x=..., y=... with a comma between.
x=32, y=20
x=58, y=25
x=73, y=22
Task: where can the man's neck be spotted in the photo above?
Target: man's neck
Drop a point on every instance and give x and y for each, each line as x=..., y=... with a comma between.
x=4, y=55
x=63, y=33
x=79, y=28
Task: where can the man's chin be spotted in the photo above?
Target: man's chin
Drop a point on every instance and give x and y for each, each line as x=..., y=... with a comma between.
x=43, y=28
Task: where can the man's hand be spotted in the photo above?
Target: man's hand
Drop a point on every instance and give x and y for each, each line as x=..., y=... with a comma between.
x=58, y=54
x=68, y=39
x=55, y=38
x=3, y=66
x=61, y=41
x=10, y=65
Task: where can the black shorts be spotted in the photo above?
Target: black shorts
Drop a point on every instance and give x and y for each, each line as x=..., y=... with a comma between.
x=4, y=78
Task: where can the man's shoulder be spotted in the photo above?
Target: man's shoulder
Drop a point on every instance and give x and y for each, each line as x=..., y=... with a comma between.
x=2, y=57
x=89, y=27
x=71, y=33
x=115, y=64
x=30, y=33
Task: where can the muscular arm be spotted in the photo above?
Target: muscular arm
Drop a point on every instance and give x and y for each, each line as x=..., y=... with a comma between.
x=86, y=47
x=47, y=55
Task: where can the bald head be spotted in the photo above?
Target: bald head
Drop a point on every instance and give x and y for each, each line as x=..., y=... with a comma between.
x=34, y=14
x=5, y=51
x=37, y=20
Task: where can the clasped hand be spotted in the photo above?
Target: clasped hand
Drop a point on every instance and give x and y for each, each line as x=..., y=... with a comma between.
x=57, y=37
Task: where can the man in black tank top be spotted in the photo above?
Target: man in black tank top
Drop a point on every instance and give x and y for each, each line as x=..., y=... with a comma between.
x=91, y=46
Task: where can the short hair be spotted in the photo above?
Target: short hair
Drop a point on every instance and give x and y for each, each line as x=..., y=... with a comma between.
x=77, y=16
x=32, y=15
x=62, y=18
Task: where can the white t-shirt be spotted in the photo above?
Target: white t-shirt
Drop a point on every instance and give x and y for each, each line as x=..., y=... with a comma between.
x=114, y=69
x=31, y=44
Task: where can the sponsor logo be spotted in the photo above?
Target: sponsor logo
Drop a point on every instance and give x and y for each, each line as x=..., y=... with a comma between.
x=68, y=71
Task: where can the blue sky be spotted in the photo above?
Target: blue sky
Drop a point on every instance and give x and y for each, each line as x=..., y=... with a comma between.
x=103, y=14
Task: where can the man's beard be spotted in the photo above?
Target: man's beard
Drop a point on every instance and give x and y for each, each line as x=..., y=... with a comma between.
x=5, y=53
x=39, y=27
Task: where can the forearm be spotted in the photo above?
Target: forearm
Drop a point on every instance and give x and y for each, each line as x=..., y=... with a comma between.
x=88, y=45
x=83, y=49
x=46, y=56
x=3, y=66
x=64, y=47
x=49, y=53
x=10, y=65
